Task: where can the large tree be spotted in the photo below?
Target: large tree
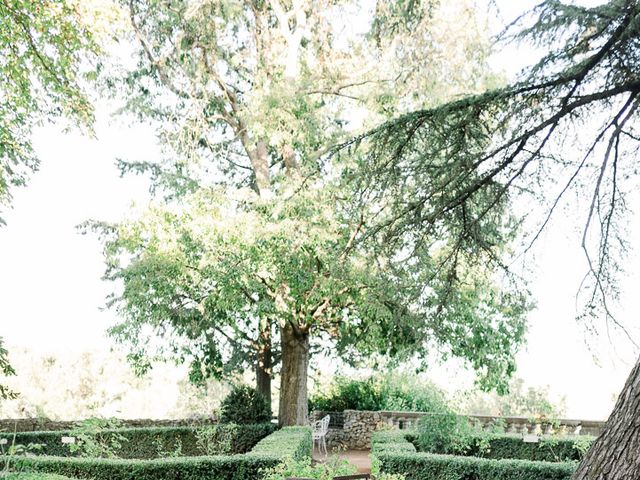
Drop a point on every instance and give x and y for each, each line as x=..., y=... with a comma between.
x=567, y=129
x=258, y=242
x=42, y=46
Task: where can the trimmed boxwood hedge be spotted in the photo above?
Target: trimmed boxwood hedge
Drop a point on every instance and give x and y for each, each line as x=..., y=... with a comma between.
x=391, y=441
x=270, y=451
x=232, y=467
x=394, y=453
x=294, y=442
x=32, y=476
x=144, y=443
x=548, y=449
x=501, y=446
x=431, y=466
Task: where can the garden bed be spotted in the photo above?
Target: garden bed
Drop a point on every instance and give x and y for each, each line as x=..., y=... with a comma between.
x=294, y=442
x=156, y=442
x=393, y=453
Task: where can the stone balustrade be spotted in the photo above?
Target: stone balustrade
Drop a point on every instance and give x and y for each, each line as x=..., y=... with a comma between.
x=354, y=428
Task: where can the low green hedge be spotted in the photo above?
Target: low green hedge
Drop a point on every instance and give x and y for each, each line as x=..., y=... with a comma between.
x=548, y=449
x=501, y=446
x=232, y=467
x=391, y=441
x=32, y=476
x=430, y=466
x=393, y=452
x=294, y=442
x=270, y=451
x=147, y=443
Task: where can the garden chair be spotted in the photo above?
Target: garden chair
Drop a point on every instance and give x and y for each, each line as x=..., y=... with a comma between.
x=320, y=429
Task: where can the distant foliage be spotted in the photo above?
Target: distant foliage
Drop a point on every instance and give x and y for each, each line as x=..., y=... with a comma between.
x=245, y=405
x=530, y=402
x=395, y=391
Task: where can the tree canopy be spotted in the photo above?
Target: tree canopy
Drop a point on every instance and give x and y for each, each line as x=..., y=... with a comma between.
x=257, y=249
x=43, y=46
x=566, y=127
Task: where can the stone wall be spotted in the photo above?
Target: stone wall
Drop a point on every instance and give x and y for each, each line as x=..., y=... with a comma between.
x=356, y=431
x=43, y=424
x=358, y=426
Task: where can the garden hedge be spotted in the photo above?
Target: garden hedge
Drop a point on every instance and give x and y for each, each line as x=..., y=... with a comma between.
x=294, y=442
x=147, y=443
x=500, y=446
x=391, y=441
x=227, y=467
x=32, y=476
x=270, y=451
x=548, y=449
x=394, y=453
x=431, y=466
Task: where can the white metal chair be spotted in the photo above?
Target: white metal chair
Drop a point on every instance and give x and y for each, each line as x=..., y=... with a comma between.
x=320, y=429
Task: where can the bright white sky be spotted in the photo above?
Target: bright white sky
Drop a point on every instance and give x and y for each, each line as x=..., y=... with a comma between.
x=50, y=275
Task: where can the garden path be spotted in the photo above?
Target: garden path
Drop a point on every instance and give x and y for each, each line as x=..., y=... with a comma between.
x=358, y=458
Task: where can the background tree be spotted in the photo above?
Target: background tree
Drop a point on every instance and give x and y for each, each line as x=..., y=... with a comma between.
x=42, y=45
x=568, y=128
x=6, y=370
x=254, y=246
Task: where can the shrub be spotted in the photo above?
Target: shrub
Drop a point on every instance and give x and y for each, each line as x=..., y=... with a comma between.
x=449, y=433
x=394, y=391
x=245, y=405
x=97, y=437
x=292, y=468
x=153, y=442
x=429, y=466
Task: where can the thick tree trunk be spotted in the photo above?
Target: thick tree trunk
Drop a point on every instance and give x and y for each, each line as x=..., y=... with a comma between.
x=293, y=408
x=615, y=455
x=264, y=360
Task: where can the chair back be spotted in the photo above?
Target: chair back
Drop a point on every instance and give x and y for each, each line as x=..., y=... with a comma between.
x=325, y=423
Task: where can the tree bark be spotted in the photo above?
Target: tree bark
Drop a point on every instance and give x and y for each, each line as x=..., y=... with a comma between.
x=260, y=164
x=615, y=455
x=293, y=407
x=264, y=360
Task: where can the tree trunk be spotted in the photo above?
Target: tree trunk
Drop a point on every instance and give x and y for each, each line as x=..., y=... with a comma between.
x=264, y=360
x=615, y=455
x=260, y=164
x=293, y=408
